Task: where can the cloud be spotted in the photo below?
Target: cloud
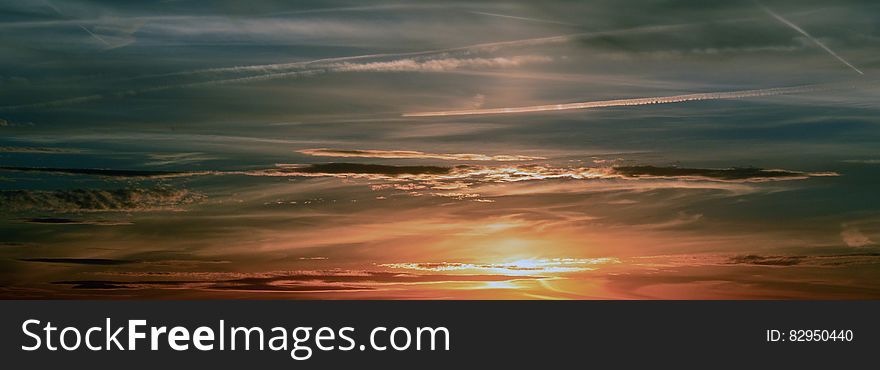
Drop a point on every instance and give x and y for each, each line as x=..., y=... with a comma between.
x=440, y=177
x=290, y=281
x=863, y=161
x=752, y=259
x=438, y=65
x=80, y=261
x=87, y=284
x=407, y=154
x=8, y=123
x=364, y=169
x=807, y=260
x=528, y=19
x=621, y=102
x=854, y=237
x=94, y=200
x=460, y=176
x=406, y=57
x=102, y=172
x=715, y=174
x=68, y=221
x=38, y=150
x=164, y=159
x=407, y=62
x=548, y=265
x=401, y=65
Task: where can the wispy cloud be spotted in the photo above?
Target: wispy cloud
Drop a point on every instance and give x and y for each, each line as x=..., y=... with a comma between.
x=164, y=159
x=273, y=73
x=862, y=161
x=854, y=237
x=439, y=65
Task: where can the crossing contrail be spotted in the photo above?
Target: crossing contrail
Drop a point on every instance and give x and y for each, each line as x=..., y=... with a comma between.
x=623, y=102
x=807, y=35
x=78, y=24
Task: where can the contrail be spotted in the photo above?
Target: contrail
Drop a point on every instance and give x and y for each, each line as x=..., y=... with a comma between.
x=398, y=65
x=266, y=72
x=489, y=46
x=84, y=28
x=807, y=35
x=623, y=102
x=521, y=18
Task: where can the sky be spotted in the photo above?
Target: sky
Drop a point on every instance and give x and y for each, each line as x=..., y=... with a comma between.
x=661, y=149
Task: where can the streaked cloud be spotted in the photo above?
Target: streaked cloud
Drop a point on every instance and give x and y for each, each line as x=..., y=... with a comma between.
x=863, y=161
x=165, y=159
x=410, y=154
x=289, y=281
x=38, y=150
x=552, y=265
x=93, y=200
x=816, y=260
x=80, y=261
x=401, y=65
x=99, y=172
x=68, y=221
x=439, y=65
x=716, y=174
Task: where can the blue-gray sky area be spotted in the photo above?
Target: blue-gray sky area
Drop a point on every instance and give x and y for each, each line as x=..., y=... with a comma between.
x=650, y=149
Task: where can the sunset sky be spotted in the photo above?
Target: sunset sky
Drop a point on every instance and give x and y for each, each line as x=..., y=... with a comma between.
x=651, y=149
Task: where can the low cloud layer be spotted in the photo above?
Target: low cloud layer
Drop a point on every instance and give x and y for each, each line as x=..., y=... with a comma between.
x=293, y=281
x=554, y=265
x=749, y=174
x=69, y=221
x=80, y=261
x=38, y=150
x=92, y=200
x=98, y=172
x=814, y=260
x=410, y=154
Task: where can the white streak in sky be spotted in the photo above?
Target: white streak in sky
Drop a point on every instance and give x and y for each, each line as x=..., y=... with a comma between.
x=621, y=102
x=84, y=28
x=520, y=18
x=807, y=35
x=399, y=65
x=266, y=72
x=483, y=47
